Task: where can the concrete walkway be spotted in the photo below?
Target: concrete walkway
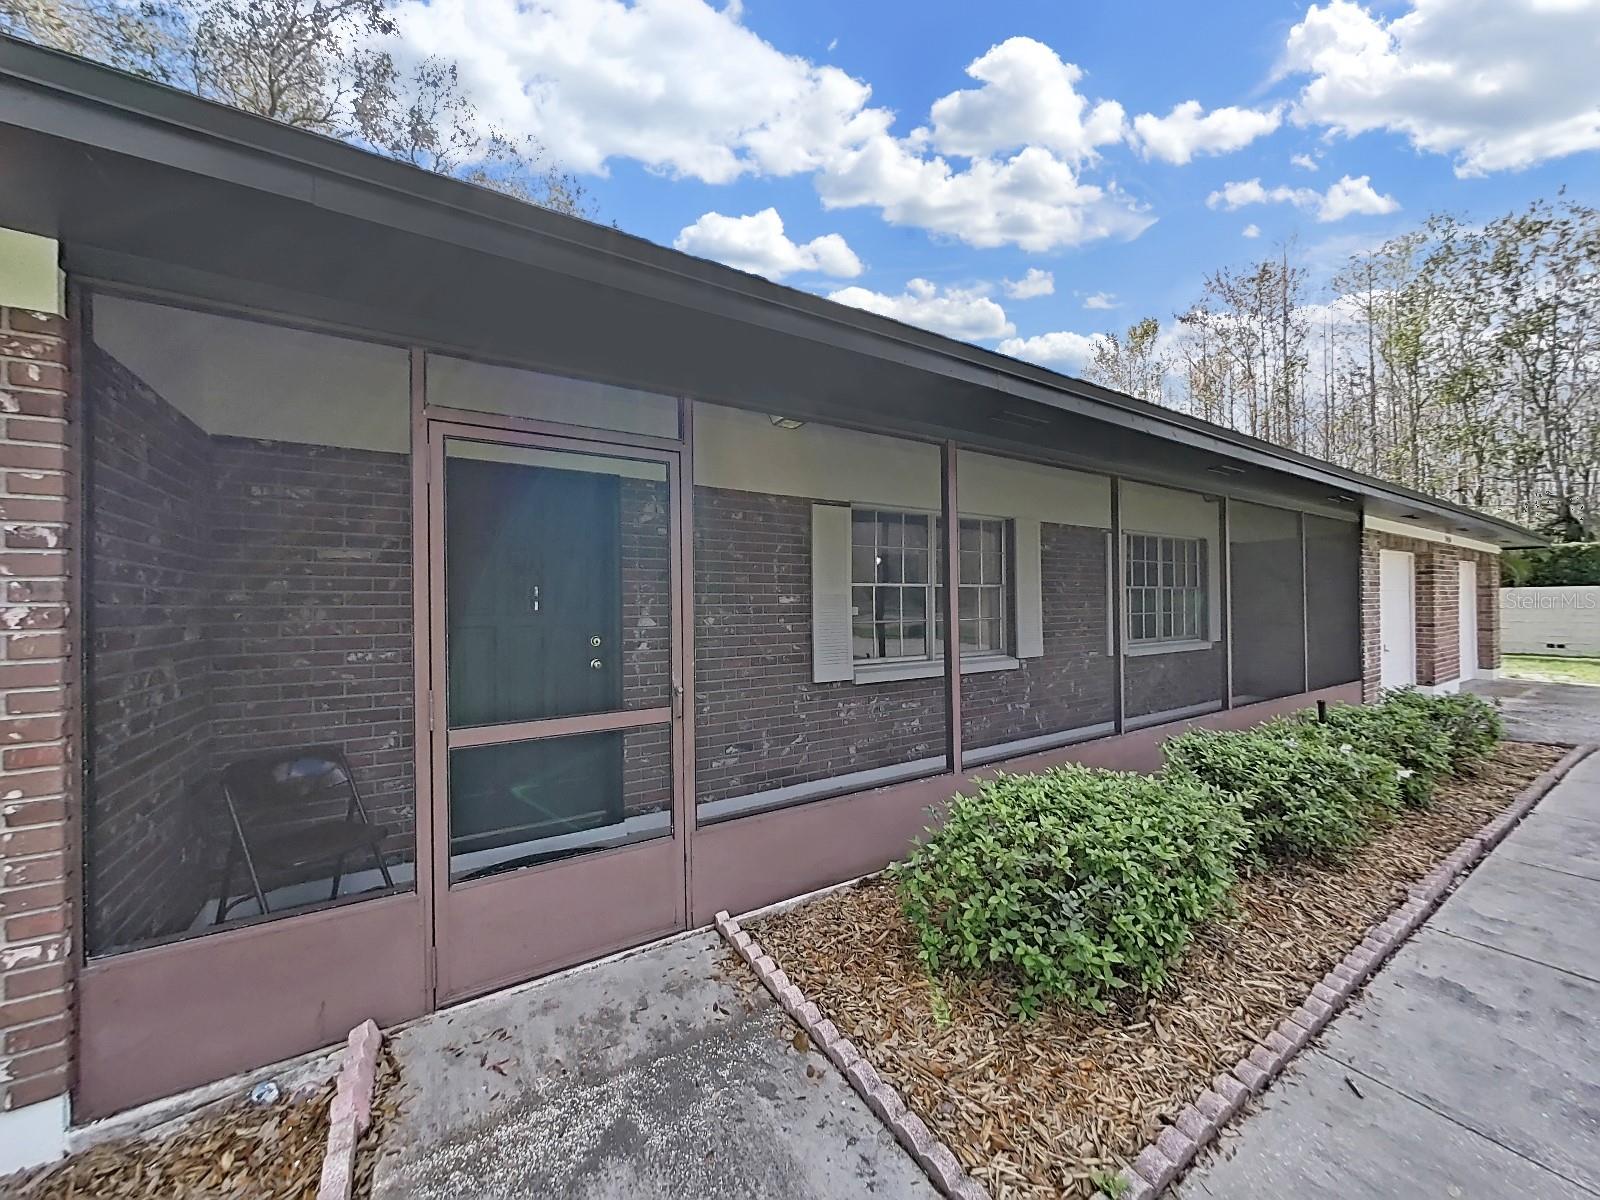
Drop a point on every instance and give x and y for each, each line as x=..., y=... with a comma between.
x=1470, y=1068
x=1544, y=712
x=649, y=1075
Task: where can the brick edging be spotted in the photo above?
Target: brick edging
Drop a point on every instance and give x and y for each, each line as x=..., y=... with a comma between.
x=350, y=1111
x=932, y=1155
x=1164, y=1159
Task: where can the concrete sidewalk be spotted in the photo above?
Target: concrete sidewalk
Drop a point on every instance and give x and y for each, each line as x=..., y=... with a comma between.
x=649, y=1075
x=1470, y=1068
x=1535, y=711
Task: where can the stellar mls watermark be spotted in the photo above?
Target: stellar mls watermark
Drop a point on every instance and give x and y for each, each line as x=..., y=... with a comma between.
x=1550, y=599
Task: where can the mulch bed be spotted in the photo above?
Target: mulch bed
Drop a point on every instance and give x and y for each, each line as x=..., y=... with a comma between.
x=252, y=1152
x=1051, y=1107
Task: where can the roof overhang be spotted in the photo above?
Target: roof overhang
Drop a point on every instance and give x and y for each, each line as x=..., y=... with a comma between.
x=155, y=189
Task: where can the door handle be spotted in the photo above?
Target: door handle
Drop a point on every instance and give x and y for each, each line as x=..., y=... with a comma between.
x=595, y=664
x=677, y=698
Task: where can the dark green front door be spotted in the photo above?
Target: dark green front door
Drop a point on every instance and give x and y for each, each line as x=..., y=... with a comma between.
x=554, y=665
x=533, y=578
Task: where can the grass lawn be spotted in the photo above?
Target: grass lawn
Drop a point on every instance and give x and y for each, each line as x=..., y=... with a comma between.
x=1550, y=669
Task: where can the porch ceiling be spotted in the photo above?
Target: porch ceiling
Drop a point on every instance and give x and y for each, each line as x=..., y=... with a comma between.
x=156, y=189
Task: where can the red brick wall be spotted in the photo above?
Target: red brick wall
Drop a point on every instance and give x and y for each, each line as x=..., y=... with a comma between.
x=36, y=837
x=1074, y=683
x=760, y=721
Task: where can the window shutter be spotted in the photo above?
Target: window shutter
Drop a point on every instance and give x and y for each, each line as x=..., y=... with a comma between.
x=1029, y=589
x=831, y=659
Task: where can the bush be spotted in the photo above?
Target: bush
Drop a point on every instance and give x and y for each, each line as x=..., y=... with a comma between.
x=1303, y=793
x=1402, y=733
x=1075, y=883
x=1472, y=725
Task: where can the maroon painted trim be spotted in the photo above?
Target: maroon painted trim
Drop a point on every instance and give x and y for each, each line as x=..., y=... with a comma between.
x=751, y=861
x=685, y=800
x=422, y=667
x=154, y=1022
x=591, y=903
x=506, y=423
x=554, y=727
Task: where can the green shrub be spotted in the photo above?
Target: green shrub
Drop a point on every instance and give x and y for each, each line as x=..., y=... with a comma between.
x=1074, y=883
x=1304, y=794
x=1472, y=724
x=1402, y=733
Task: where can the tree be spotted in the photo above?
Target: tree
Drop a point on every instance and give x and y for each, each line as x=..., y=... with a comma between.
x=1132, y=363
x=323, y=65
x=1460, y=359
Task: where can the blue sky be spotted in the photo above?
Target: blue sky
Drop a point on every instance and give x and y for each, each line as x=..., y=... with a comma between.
x=964, y=145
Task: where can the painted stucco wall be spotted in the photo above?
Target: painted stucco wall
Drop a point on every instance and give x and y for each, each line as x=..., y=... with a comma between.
x=1562, y=621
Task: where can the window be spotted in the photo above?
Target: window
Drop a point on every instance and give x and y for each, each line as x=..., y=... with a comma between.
x=1166, y=592
x=897, y=598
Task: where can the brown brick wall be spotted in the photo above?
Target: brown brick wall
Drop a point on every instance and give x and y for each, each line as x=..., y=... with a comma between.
x=38, y=755
x=1074, y=683
x=760, y=721
x=1156, y=683
x=646, y=550
x=148, y=592
x=244, y=596
x=1437, y=608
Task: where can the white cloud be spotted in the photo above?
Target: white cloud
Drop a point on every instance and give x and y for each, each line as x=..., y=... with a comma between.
x=1062, y=350
x=1188, y=130
x=1304, y=161
x=1034, y=283
x=1033, y=200
x=1356, y=195
x=1101, y=301
x=1029, y=97
x=1342, y=199
x=1496, y=83
x=687, y=90
x=758, y=243
x=1252, y=230
x=965, y=313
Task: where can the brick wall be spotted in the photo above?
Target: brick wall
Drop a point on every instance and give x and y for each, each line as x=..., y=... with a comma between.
x=36, y=838
x=244, y=596
x=1073, y=684
x=646, y=552
x=148, y=591
x=1157, y=683
x=309, y=625
x=1488, y=609
x=760, y=721
x=1437, y=589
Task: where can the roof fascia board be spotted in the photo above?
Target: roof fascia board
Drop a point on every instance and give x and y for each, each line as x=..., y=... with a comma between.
x=1423, y=533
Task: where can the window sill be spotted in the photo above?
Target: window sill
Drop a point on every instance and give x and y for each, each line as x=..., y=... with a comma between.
x=1142, y=649
x=932, y=669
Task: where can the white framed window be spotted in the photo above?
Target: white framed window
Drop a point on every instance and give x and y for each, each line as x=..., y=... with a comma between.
x=1165, y=589
x=897, y=594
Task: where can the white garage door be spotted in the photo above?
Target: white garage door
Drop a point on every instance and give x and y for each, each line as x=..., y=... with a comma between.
x=1397, y=617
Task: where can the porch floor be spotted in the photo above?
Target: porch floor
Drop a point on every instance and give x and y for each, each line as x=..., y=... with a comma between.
x=648, y=1075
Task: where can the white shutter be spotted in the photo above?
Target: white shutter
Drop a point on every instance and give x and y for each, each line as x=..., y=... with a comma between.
x=831, y=658
x=1028, y=575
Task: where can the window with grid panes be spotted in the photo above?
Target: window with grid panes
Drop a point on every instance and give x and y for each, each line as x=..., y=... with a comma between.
x=897, y=596
x=1166, y=588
